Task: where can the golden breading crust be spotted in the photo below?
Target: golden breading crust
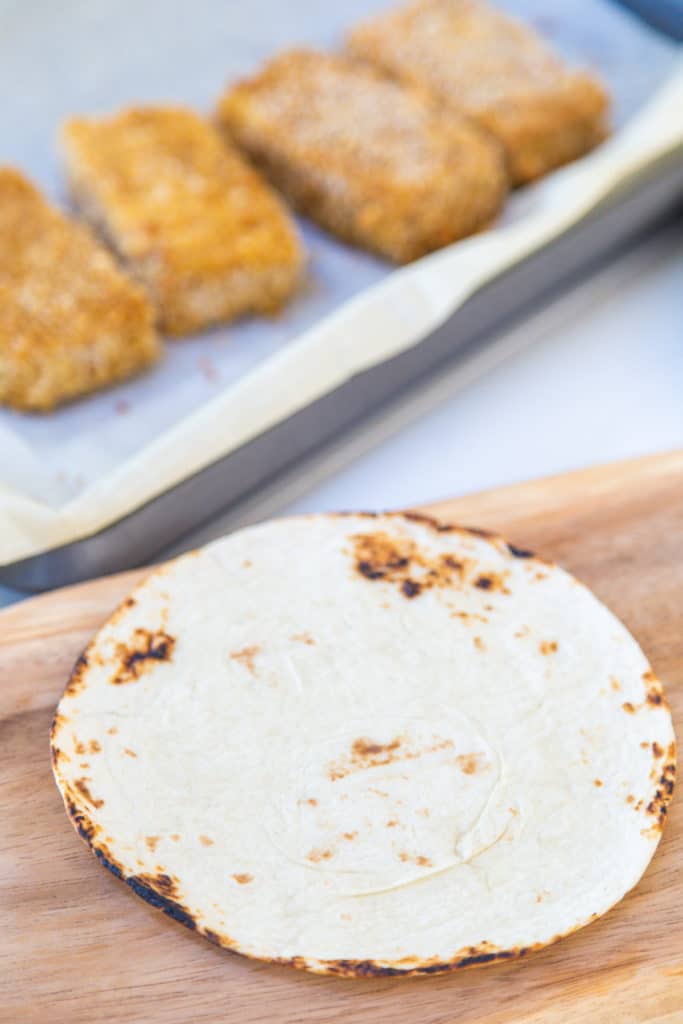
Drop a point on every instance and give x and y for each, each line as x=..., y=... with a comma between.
x=191, y=219
x=370, y=160
x=70, y=321
x=499, y=72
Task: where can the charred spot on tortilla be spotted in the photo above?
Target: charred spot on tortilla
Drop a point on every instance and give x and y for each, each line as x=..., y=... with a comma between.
x=59, y=721
x=86, y=828
x=450, y=562
x=665, y=782
x=161, y=882
x=76, y=680
x=83, y=788
x=366, y=754
x=316, y=855
x=471, y=763
x=412, y=858
x=472, y=956
x=469, y=617
x=247, y=656
x=144, y=648
x=160, y=891
x=213, y=937
x=519, y=552
x=655, y=692
x=303, y=638
x=479, y=531
x=378, y=556
x=548, y=646
x=364, y=748
x=125, y=606
x=492, y=581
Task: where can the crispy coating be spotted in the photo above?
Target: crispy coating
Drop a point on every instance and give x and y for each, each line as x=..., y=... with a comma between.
x=70, y=321
x=479, y=61
x=372, y=161
x=192, y=220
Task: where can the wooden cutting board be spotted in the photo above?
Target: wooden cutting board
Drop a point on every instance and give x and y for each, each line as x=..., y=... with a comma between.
x=76, y=945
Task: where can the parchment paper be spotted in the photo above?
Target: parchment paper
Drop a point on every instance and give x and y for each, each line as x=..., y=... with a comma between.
x=67, y=475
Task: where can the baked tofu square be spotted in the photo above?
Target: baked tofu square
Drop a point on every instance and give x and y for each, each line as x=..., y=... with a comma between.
x=70, y=321
x=190, y=218
x=479, y=61
x=376, y=163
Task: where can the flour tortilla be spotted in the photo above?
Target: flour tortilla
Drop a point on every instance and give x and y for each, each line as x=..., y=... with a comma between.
x=366, y=745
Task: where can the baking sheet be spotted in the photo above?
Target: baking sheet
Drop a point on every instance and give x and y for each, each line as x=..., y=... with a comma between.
x=67, y=475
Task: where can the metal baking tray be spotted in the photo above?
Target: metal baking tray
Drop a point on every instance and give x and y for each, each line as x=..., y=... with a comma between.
x=665, y=15
x=646, y=198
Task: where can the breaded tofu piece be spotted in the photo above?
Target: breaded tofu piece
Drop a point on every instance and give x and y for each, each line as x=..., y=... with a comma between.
x=70, y=321
x=479, y=61
x=190, y=218
x=374, y=162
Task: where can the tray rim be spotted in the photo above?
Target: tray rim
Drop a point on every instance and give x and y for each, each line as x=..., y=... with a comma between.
x=59, y=565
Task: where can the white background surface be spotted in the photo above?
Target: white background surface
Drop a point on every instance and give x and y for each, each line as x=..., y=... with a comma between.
x=601, y=379
x=597, y=376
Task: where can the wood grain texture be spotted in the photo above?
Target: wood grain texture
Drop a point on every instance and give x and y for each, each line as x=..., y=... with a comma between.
x=77, y=946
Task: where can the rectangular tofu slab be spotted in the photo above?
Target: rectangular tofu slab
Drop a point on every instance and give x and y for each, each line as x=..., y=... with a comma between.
x=376, y=163
x=478, y=61
x=70, y=321
x=190, y=218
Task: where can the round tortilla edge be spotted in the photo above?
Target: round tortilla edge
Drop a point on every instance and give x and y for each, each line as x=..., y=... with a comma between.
x=158, y=890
